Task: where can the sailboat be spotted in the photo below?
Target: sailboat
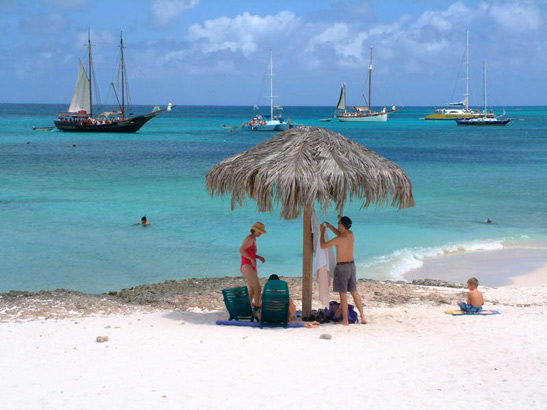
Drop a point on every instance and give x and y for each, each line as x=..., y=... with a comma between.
x=80, y=116
x=484, y=120
x=459, y=109
x=273, y=122
x=361, y=114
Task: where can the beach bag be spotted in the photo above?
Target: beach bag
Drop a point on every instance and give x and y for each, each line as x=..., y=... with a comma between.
x=334, y=312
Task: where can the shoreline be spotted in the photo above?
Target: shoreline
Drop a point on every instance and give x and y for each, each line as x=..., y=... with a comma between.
x=497, y=267
x=195, y=293
x=205, y=294
x=519, y=264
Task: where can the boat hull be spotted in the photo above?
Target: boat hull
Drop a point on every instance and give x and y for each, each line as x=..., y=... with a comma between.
x=274, y=125
x=454, y=116
x=362, y=118
x=129, y=125
x=483, y=123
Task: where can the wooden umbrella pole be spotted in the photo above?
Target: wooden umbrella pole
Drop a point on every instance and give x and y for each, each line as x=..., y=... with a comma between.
x=307, y=264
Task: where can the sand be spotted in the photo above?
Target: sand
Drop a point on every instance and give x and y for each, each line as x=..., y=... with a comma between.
x=169, y=354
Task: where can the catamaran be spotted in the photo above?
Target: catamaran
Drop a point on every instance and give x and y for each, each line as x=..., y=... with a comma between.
x=459, y=109
x=80, y=116
x=484, y=120
x=361, y=114
x=273, y=122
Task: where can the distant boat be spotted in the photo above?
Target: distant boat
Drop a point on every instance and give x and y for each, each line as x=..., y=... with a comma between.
x=325, y=119
x=80, y=116
x=272, y=122
x=361, y=114
x=42, y=128
x=484, y=120
x=459, y=109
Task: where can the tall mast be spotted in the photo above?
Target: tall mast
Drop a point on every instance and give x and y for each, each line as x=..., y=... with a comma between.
x=90, y=63
x=370, y=81
x=123, y=74
x=484, y=85
x=467, y=72
x=271, y=84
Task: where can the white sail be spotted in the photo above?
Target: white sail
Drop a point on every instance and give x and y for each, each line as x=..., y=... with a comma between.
x=342, y=100
x=81, y=100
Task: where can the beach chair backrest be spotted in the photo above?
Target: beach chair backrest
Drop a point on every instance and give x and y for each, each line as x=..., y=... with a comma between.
x=275, y=302
x=238, y=303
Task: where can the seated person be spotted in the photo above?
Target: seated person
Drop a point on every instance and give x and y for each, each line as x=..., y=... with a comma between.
x=475, y=299
x=292, y=309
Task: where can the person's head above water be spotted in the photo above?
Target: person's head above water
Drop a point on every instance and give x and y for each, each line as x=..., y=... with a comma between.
x=346, y=222
x=143, y=219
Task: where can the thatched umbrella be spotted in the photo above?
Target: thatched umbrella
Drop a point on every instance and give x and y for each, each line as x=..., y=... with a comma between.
x=304, y=165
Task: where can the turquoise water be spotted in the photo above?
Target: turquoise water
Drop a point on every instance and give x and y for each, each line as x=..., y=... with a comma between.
x=69, y=212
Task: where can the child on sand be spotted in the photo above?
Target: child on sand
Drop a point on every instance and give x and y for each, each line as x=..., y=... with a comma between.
x=475, y=299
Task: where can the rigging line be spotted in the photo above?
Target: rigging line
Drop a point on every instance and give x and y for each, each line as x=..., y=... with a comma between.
x=364, y=80
x=126, y=83
x=260, y=94
x=458, y=78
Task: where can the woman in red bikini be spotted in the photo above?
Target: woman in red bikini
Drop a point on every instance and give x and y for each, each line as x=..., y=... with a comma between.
x=248, y=262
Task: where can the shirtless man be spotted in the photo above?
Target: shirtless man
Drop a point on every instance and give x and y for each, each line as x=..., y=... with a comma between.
x=344, y=274
x=475, y=300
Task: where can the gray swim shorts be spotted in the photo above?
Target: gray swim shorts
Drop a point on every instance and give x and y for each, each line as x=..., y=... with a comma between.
x=345, y=278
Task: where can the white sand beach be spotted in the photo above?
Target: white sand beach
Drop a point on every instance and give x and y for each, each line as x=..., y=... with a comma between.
x=410, y=356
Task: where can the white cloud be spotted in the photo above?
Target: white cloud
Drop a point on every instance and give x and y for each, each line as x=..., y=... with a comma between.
x=516, y=17
x=178, y=55
x=447, y=19
x=243, y=33
x=332, y=35
x=166, y=11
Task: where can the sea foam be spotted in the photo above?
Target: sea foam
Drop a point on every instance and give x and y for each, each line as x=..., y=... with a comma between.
x=395, y=265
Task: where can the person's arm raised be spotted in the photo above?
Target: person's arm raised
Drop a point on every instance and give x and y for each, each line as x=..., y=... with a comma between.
x=327, y=244
x=332, y=228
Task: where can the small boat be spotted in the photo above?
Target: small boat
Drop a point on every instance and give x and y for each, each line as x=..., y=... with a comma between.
x=230, y=127
x=272, y=122
x=325, y=119
x=483, y=121
x=456, y=110
x=80, y=116
x=361, y=114
x=492, y=119
x=42, y=128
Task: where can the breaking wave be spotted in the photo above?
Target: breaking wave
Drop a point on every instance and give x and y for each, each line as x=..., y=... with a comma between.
x=394, y=265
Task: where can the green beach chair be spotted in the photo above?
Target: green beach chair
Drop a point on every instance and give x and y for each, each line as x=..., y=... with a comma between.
x=275, y=303
x=238, y=303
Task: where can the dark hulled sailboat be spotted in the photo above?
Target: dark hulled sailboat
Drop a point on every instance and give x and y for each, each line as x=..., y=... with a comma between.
x=80, y=117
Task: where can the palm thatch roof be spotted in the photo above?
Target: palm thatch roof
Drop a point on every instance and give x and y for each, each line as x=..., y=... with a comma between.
x=306, y=164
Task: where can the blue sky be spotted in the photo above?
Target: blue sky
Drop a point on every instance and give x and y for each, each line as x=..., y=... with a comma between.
x=215, y=52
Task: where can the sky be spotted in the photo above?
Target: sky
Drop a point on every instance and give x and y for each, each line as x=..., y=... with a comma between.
x=216, y=52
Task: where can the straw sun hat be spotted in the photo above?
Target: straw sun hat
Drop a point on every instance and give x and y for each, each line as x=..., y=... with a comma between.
x=259, y=226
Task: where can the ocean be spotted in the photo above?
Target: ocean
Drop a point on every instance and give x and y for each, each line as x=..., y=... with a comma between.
x=69, y=202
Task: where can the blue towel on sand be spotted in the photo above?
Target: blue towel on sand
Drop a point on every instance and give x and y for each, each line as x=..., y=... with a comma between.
x=254, y=324
x=481, y=313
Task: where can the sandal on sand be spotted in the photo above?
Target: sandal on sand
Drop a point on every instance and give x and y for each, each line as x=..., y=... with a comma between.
x=256, y=312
